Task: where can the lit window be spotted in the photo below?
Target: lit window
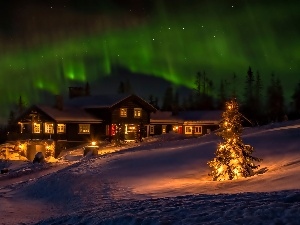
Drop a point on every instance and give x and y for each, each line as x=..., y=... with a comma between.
x=49, y=128
x=123, y=112
x=188, y=130
x=84, y=128
x=36, y=128
x=61, y=128
x=198, y=130
x=151, y=129
x=137, y=112
x=164, y=129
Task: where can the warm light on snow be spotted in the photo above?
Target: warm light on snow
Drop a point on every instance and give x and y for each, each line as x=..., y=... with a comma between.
x=158, y=178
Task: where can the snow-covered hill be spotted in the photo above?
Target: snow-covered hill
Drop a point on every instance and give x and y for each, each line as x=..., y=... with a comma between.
x=160, y=181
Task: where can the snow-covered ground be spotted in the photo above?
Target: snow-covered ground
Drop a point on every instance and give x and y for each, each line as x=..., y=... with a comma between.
x=163, y=180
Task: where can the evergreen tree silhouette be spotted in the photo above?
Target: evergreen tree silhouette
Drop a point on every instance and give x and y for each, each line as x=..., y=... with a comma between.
x=296, y=102
x=258, y=99
x=87, y=89
x=275, y=100
x=121, y=88
x=168, y=100
x=249, y=100
x=222, y=95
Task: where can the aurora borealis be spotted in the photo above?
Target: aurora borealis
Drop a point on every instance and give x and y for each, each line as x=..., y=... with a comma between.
x=47, y=46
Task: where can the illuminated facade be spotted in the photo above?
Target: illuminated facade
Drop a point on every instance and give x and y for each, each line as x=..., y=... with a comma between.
x=85, y=118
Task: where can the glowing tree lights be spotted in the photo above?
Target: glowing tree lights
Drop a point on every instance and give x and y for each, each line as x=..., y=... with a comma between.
x=233, y=158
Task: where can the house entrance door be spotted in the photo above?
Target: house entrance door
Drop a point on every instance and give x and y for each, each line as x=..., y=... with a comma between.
x=130, y=132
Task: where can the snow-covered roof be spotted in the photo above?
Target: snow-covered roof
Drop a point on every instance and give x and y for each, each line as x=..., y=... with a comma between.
x=202, y=115
x=104, y=101
x=211, y=116
x=68, y=114
x=96, y=101
x=164, y=117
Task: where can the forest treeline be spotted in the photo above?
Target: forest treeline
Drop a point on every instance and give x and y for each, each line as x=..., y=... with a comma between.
x=260, y=102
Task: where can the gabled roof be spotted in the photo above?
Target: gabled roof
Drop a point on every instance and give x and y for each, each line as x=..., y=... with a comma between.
x=106, y=101
x=67, y=114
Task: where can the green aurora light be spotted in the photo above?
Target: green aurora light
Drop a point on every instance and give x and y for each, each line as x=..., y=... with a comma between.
x=172, y=42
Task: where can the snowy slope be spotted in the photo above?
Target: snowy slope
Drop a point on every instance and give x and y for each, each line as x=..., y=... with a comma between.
x=163, y=181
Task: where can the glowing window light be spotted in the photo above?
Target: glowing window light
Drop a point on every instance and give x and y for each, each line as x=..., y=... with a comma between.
x=49, y=129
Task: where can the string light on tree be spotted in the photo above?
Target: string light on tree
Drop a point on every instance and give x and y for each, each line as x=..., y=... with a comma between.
x=233, y=159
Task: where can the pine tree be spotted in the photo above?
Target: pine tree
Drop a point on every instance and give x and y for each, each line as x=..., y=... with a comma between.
x=208, y=98
x=198, y=90
x=249, y=100
x=296, y=101
x=121, y=88
x=11, y=118
x=233, y=158
x=203, y=91
x=175, y=107
x=275, y=100
x=168, y=99
x=249, y=92
x=87, y=89
x=258, y=103
x=222, y=94
x=234, y=88
x=128, y=87
x=21, y=105
x=125, y=87
x=153, y=101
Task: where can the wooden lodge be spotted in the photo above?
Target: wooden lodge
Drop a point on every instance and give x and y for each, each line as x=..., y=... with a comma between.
x=82, y=119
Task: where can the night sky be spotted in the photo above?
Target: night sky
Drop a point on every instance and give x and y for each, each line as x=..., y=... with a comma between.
x=47, y=46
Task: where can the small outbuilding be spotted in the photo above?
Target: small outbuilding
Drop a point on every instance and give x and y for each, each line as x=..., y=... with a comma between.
x=185, y=122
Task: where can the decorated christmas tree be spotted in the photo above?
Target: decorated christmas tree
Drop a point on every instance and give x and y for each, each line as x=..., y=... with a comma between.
x=233, y=159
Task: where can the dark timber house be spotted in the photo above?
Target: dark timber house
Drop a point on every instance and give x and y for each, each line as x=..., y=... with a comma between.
x=81, y=119
x=129, y=111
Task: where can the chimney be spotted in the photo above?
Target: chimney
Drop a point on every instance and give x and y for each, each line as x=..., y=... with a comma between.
x=59, y=103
